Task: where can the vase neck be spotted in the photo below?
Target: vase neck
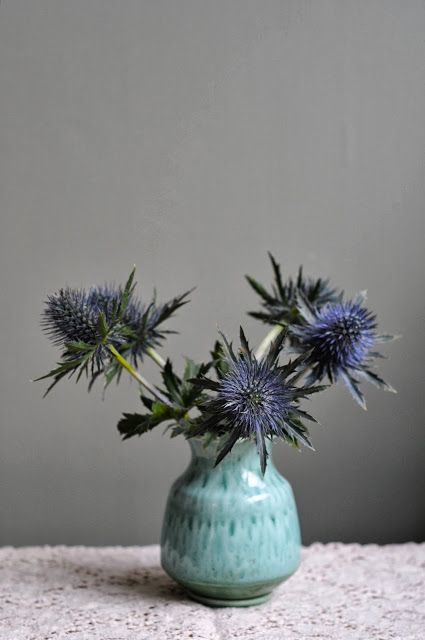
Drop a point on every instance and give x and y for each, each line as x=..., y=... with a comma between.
x=243, y=453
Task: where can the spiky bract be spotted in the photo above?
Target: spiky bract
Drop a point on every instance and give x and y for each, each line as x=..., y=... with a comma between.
x=280, y=304
x=139, y=323
x=256, y=399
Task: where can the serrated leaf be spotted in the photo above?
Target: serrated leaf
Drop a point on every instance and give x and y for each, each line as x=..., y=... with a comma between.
x=169, y=308
x=78, y=346
x=219, y=363
x=264, y=317
x=148, y=402
x=102, y=325
x=114, y=370
x=171, y=382
x=191, y=370
x=258, y=288
x=62, y=368
x=228, y=347
x=133, y=424
x=278, y=278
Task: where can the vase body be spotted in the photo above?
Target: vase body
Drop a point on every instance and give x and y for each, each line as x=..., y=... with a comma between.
x=230, y=534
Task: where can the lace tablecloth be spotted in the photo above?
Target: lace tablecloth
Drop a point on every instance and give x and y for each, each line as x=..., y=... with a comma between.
x=343, y=592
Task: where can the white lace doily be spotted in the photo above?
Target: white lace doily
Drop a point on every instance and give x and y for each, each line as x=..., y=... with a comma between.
x=341, y=592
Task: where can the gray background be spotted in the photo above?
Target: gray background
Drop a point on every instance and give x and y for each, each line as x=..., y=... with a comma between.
x=189, y=138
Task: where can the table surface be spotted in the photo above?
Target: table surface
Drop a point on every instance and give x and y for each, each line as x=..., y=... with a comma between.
x=343, y=592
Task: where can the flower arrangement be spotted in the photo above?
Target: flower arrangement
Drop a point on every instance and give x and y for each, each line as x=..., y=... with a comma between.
x=237, y=394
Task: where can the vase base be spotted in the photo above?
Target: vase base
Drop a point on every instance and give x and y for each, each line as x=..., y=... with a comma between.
x=221, y=602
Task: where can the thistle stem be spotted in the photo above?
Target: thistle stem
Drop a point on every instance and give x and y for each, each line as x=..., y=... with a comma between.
x=156, y=357
x=264, y=344
x=136, y=375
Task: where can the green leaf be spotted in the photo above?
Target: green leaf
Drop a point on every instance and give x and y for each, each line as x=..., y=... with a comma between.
x=102, y=326
x=136, y=424
x=228, y=348
x=84, y=365
x=191, y=370
x=126, y=295
x=148, y=402
x=219, y=362
x=190, y=393
x=161, y=411
x=168, y=309
x=180, y=427
x=264, y=317
x=258, y=288
x=113, y=371
x=67, y=367
x=78, y=346
x=300, y=278
x=172, y=382
x=129, y=286
x=278, y=277
x=276, y=346
x=62, y=369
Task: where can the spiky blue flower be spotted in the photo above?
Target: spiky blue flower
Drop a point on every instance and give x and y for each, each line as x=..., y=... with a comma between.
x=86, y=324
x=68, y=318
x=71, y=319
x=340, y=341
x=256, y=399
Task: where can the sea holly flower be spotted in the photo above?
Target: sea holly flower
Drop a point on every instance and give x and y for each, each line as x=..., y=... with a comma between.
x=340, y=341
x=99, y=328
x=280, y=304
x=255, y=398
x=106, y=329
x=72, y=322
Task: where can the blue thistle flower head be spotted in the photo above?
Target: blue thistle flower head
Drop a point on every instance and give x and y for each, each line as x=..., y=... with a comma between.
x=72, y=322
x=339, y=340
x=341, y=336
x=86, y=323
x=68, y=318
x=255, y=399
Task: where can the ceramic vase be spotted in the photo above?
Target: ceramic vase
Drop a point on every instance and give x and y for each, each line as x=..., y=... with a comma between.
x=230, y=534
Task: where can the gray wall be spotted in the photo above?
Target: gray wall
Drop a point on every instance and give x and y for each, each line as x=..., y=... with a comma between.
x=189, y=138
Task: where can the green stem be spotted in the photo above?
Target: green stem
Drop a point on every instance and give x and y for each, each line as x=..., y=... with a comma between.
x=152, y=353
x=264, y=345
x=136, y=375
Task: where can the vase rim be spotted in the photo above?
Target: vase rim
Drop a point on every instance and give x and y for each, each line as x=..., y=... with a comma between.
x=198, y=444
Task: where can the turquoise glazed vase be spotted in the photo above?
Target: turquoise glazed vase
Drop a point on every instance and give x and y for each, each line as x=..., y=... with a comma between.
x=230, y=534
